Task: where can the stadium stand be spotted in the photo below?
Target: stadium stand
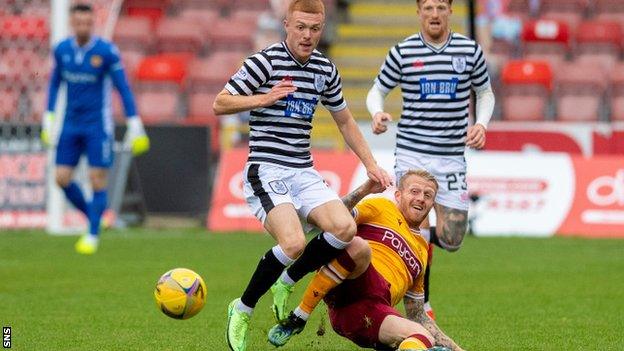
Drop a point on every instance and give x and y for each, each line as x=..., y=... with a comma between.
x=182, y=51
x=617, y=93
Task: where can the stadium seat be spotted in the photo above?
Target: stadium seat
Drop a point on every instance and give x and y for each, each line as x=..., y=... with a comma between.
x=251, y=4
x=231, y=35
x=580, y=90
x=201, y=4
x=246, y=15
x=9, y=103
x=572, y=19
x=602, y=7
x=524, y=107
x=24, y=67
x=200, y=105
x=585, y=108
x=33, y=28
x=133, y=33
x=154, y=10
x=599, y=42
x=211, y=74
x=526, y=90
x=37, y=100
x=201, y=113
x=163, y=68
x=547, y=40
x=158, y=107
x=131, y=60
x=611, y=17
x=617, y=93
x=201, y=17
x=521, y=9
x=528, y=72
x=563, y=6
x=178, y=35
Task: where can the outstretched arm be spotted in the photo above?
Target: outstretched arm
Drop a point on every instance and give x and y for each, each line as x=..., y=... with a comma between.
x=227, y=103
x=369, y=187
x=415, y=311
x=55, y=82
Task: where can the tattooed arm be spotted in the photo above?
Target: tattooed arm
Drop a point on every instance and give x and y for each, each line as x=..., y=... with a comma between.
x=369, y=187
x=415, y=311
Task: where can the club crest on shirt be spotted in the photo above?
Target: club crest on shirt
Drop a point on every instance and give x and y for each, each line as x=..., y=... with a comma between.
x=241, y=74
x=96, y=61
x=459, y=64
x=319, y=82
x=278, y=186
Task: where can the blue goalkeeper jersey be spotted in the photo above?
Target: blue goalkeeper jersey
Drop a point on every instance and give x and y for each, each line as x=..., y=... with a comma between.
x=90, y=72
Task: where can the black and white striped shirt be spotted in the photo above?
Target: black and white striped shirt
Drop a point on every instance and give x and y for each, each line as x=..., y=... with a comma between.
x=435, y=85
x=280, y=134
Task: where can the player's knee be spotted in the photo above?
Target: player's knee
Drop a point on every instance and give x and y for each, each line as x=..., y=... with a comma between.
x=98, y=181
x=359, y=251
x=294, y=248
x=63, y=180
x=345, y=230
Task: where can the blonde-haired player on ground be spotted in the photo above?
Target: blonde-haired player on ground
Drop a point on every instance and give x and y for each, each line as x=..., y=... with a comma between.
x=282, y=86
x=387, y=263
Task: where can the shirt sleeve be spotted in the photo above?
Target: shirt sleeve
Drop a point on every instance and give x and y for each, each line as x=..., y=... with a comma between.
x=55, y=79
x=390, y=73
x=255, y=71
x=479, y=76
x=332, y=97
x=365, y=211
x=118, y=75
x=417, y=291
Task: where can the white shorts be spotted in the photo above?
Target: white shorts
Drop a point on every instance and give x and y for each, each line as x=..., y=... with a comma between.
x=450, y=172
x=266, y=186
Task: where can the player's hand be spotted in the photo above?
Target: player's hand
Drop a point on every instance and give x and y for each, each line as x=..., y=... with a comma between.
x=135, y=139
x=379, y=175
x=476, y=136
x=373, y=187
x=380, y=120
x=278, y=92
x=47, y=128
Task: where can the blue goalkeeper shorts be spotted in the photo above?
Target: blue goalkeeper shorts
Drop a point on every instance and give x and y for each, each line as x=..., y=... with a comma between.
x=76, y=140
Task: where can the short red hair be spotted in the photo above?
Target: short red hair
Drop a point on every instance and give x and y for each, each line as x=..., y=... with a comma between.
x=308, y=6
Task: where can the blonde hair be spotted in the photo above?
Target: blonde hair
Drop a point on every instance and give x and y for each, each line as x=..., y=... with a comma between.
x=450, y=2
x=308, y=6
x=419, y=173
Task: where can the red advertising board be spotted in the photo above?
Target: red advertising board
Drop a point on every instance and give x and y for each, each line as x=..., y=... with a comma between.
x=598, y=205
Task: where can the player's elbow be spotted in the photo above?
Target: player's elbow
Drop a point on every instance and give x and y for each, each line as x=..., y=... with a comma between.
x=221, y=105
x=218, y=106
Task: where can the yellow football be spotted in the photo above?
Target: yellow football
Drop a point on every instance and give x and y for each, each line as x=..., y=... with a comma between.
x=411, y=344
x=180, y=293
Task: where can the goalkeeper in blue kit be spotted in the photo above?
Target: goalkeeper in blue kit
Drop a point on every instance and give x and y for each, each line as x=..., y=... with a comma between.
x=89, y=66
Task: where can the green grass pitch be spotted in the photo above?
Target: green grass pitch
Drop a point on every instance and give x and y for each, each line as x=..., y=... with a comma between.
x=494, y=294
